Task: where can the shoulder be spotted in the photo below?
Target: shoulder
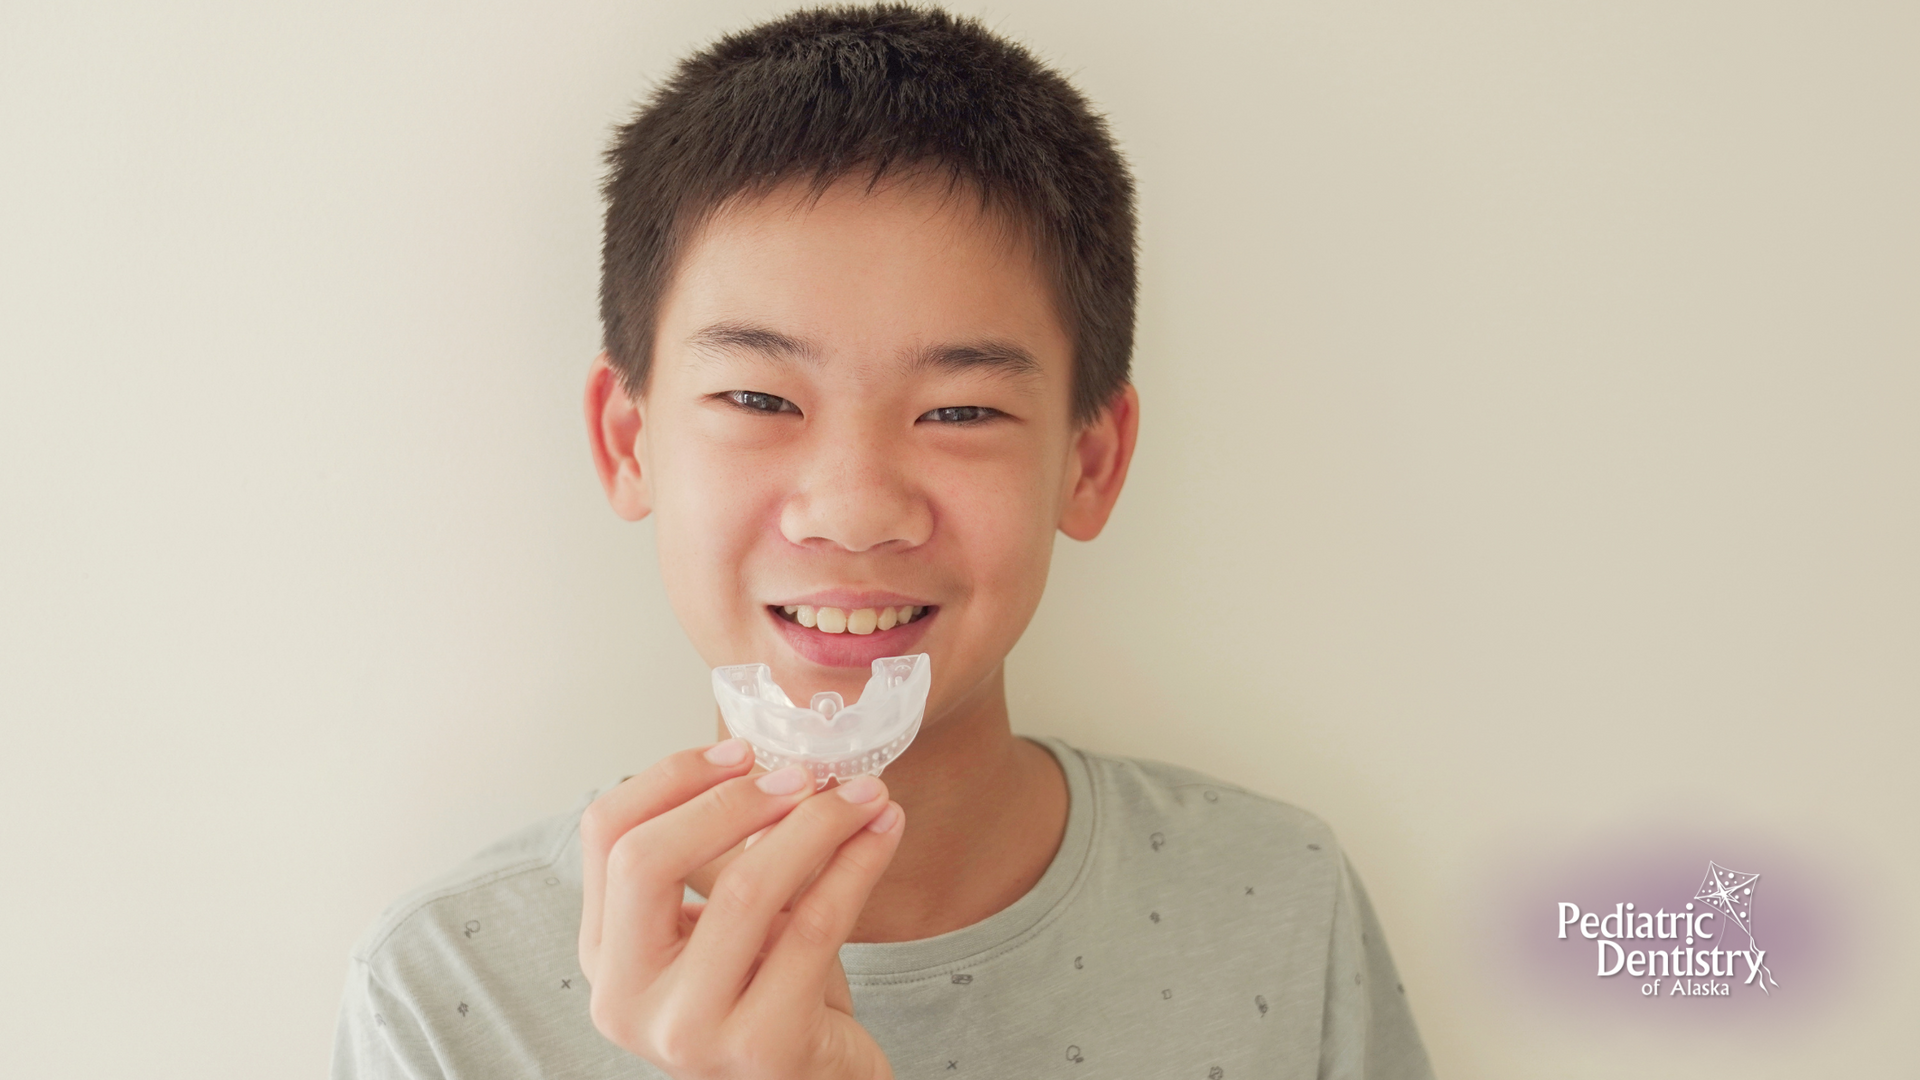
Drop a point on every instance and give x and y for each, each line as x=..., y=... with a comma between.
x=1170, y=840
x=1269, y=890
x=1131, y=790
x=530, y=875
x=476, y=973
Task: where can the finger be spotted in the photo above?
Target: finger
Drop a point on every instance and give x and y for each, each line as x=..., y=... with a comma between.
x=647, y=868
x=839, y=994
x=750, y=892
x=806, y=956
x=671, y=781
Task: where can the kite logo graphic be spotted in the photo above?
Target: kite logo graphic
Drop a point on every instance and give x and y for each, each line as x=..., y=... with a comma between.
x=1687, y=945
x=1731, y=893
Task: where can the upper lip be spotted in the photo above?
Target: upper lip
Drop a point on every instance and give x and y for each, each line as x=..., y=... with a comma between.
x=851, y=600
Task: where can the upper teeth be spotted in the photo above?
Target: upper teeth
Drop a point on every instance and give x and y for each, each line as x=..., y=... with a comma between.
x=866, y=620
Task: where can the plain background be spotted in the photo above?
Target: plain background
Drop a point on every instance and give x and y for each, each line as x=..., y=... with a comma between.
x=1529, y=460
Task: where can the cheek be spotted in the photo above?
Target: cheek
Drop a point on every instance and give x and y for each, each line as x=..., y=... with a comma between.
x=1001, y=519
x=709, y=513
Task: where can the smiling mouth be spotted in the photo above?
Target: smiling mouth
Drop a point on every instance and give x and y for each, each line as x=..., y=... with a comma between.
x=833, y=620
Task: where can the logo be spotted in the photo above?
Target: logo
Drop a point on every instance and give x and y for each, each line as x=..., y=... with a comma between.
x=1667, y=928
x=1701, y=947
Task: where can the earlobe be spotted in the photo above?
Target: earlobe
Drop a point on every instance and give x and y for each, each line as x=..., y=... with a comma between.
x=614, y=422
x=1097, y=469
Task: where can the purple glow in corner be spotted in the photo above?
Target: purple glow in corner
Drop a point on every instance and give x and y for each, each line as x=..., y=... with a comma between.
x=1671, y=930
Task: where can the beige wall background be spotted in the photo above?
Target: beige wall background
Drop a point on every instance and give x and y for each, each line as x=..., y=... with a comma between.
x=1530, y=397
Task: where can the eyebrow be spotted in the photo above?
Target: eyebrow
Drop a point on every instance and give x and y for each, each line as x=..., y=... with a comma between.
x=1002, y=357
x=744, y=337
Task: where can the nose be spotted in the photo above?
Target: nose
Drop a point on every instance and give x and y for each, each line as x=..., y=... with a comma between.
x=856, y=494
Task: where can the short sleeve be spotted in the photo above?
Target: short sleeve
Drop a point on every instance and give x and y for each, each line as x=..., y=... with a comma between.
x=378, y=1036
x=1368, y=1032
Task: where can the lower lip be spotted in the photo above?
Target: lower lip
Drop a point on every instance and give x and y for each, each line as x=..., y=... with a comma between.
x=849, y=650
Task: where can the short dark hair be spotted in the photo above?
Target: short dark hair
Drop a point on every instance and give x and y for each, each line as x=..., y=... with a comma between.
x=822, y=93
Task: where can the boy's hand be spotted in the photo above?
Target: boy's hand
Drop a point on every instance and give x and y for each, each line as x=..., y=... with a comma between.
x=749, y=984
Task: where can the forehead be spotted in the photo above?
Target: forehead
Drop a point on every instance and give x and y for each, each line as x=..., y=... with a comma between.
x=908, y=266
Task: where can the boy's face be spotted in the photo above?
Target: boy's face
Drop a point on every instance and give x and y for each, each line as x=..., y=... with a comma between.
x=859, y=409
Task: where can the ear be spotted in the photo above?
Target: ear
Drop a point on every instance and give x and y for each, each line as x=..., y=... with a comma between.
x=614, y=423
x=1097, y=465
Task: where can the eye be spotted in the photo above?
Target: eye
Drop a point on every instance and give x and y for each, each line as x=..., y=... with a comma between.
x=758, y=402
x=960, y=414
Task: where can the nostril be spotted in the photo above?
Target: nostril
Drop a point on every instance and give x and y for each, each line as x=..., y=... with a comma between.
x=856, y=516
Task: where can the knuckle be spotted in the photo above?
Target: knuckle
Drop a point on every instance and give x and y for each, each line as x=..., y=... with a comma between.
x=866, y=860
x=810, y=814
x=609, y=1019
x=631, y=856
x=813, y=924
x=596, y=826
x=672, y=771
x=737, y=797
x=758, y=1058
x=735, y=894
x=676, y=1046
x=828, y=814
x=665, y=1036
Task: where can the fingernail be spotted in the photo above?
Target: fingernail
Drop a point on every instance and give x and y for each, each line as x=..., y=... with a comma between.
x=859, y=789
x=731, y=752
x=884, y=819
x=782, y=781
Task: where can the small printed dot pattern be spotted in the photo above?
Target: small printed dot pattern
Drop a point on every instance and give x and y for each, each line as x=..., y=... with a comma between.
x=1186, y=928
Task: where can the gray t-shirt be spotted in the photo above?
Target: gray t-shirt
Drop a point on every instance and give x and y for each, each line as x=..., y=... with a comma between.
x=1185, y=928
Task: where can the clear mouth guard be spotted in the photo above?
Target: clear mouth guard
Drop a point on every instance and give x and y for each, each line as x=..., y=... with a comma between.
x=829, y=738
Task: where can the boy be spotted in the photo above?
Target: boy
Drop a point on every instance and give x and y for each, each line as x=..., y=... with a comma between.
x=868, y=296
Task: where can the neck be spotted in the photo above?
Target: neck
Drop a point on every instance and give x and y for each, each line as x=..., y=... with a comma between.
x=985, y=814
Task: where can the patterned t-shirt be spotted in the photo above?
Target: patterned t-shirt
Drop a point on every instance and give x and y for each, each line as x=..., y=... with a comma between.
x=1185, y=928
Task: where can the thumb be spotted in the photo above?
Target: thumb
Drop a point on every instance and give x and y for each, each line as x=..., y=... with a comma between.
x=839, y=995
